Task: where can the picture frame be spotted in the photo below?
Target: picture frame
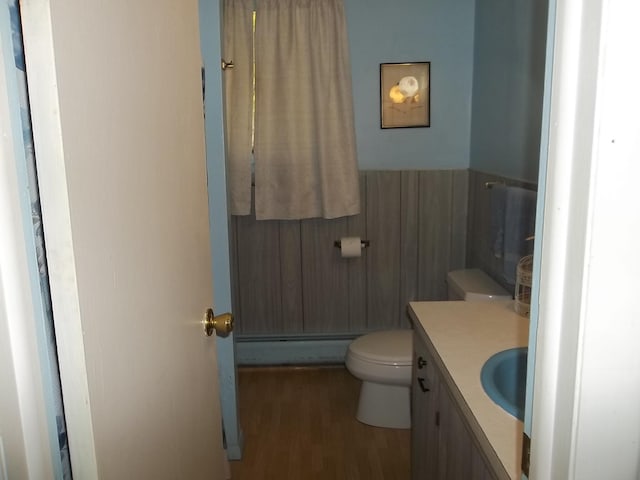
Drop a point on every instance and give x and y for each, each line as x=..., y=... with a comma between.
x=405, y=95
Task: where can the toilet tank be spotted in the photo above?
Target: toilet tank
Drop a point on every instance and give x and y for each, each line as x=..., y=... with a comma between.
x=474, y=285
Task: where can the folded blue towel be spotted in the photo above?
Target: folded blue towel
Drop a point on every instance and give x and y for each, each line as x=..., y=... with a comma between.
x=519, y=223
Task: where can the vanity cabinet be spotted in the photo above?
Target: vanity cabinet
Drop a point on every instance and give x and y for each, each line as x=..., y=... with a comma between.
x=442, y=445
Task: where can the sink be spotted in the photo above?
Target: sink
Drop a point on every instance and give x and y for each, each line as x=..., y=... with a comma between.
x=504, y=379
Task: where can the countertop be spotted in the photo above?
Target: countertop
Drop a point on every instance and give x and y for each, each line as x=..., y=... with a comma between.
x=462, y=336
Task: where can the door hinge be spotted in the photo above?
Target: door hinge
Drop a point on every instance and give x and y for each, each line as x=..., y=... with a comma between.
x=526, y=454
x=437, y=419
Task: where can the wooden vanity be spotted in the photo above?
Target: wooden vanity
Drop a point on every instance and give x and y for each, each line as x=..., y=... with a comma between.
x=458, y=432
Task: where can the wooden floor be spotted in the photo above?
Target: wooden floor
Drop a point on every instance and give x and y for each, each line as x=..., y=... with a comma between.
x=299, y=424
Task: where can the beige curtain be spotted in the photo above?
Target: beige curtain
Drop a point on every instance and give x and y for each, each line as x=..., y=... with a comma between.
x=305, y=151
x=238, y=88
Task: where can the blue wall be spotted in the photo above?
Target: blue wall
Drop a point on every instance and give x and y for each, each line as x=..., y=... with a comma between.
x=439, y=31
x=487, y=66
x=509, y=56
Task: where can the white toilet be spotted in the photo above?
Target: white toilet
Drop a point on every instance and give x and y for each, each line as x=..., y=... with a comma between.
x=382, y=360
x=473, y=285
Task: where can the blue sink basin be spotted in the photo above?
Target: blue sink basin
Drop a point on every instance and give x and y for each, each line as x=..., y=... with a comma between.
x=504, y=378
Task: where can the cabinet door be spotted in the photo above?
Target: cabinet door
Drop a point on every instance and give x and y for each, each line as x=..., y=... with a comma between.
x=442, y=447
x=454, y=459
x=479, y=467
x=459, y=455
x=424, y=410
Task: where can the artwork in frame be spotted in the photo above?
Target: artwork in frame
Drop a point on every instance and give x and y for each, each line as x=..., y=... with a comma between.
x=404, y=95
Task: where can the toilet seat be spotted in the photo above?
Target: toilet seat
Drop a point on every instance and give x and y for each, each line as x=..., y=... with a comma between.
x=389, y=347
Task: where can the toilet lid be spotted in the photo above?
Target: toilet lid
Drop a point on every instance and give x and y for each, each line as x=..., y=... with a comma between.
x=390, y=347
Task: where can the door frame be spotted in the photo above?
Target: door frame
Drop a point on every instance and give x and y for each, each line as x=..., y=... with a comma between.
x=211, y=47
x=28, y=445
x=587, y=377
x=38, y=40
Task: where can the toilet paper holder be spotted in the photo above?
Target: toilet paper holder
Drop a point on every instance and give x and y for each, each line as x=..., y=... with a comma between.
x=363, y=244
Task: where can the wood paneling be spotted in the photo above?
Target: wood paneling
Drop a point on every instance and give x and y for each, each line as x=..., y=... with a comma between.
x=357, y=268
x=383, y=254
x=259, y=280
x=434, y=234
x=480, y=249
x=324, y=276
x=409, y=242
x=291, y=276
x=290, y=279
x=459, y=209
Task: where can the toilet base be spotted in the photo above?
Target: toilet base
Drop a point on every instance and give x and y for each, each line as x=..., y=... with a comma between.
x=385, y=406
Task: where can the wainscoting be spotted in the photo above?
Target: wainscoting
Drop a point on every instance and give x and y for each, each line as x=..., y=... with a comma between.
x=479, y=246
x=289, y=279
x=297, y=301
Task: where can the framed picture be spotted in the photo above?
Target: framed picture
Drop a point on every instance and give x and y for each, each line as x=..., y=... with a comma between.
x=404, y=95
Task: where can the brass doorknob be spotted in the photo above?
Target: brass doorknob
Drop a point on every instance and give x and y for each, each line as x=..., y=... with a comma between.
x=222, y=324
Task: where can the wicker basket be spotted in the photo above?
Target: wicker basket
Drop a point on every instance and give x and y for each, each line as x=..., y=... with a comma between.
x=523, y=286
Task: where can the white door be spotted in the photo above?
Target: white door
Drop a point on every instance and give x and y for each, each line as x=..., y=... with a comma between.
x=116, y=99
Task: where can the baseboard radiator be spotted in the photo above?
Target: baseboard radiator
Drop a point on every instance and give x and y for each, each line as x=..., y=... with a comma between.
x=321, y=349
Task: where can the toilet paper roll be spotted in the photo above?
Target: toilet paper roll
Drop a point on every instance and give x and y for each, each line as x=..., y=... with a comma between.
x=350, y=247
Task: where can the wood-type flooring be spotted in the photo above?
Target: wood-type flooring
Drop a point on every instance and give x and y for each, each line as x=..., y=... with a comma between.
x=299, y=424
